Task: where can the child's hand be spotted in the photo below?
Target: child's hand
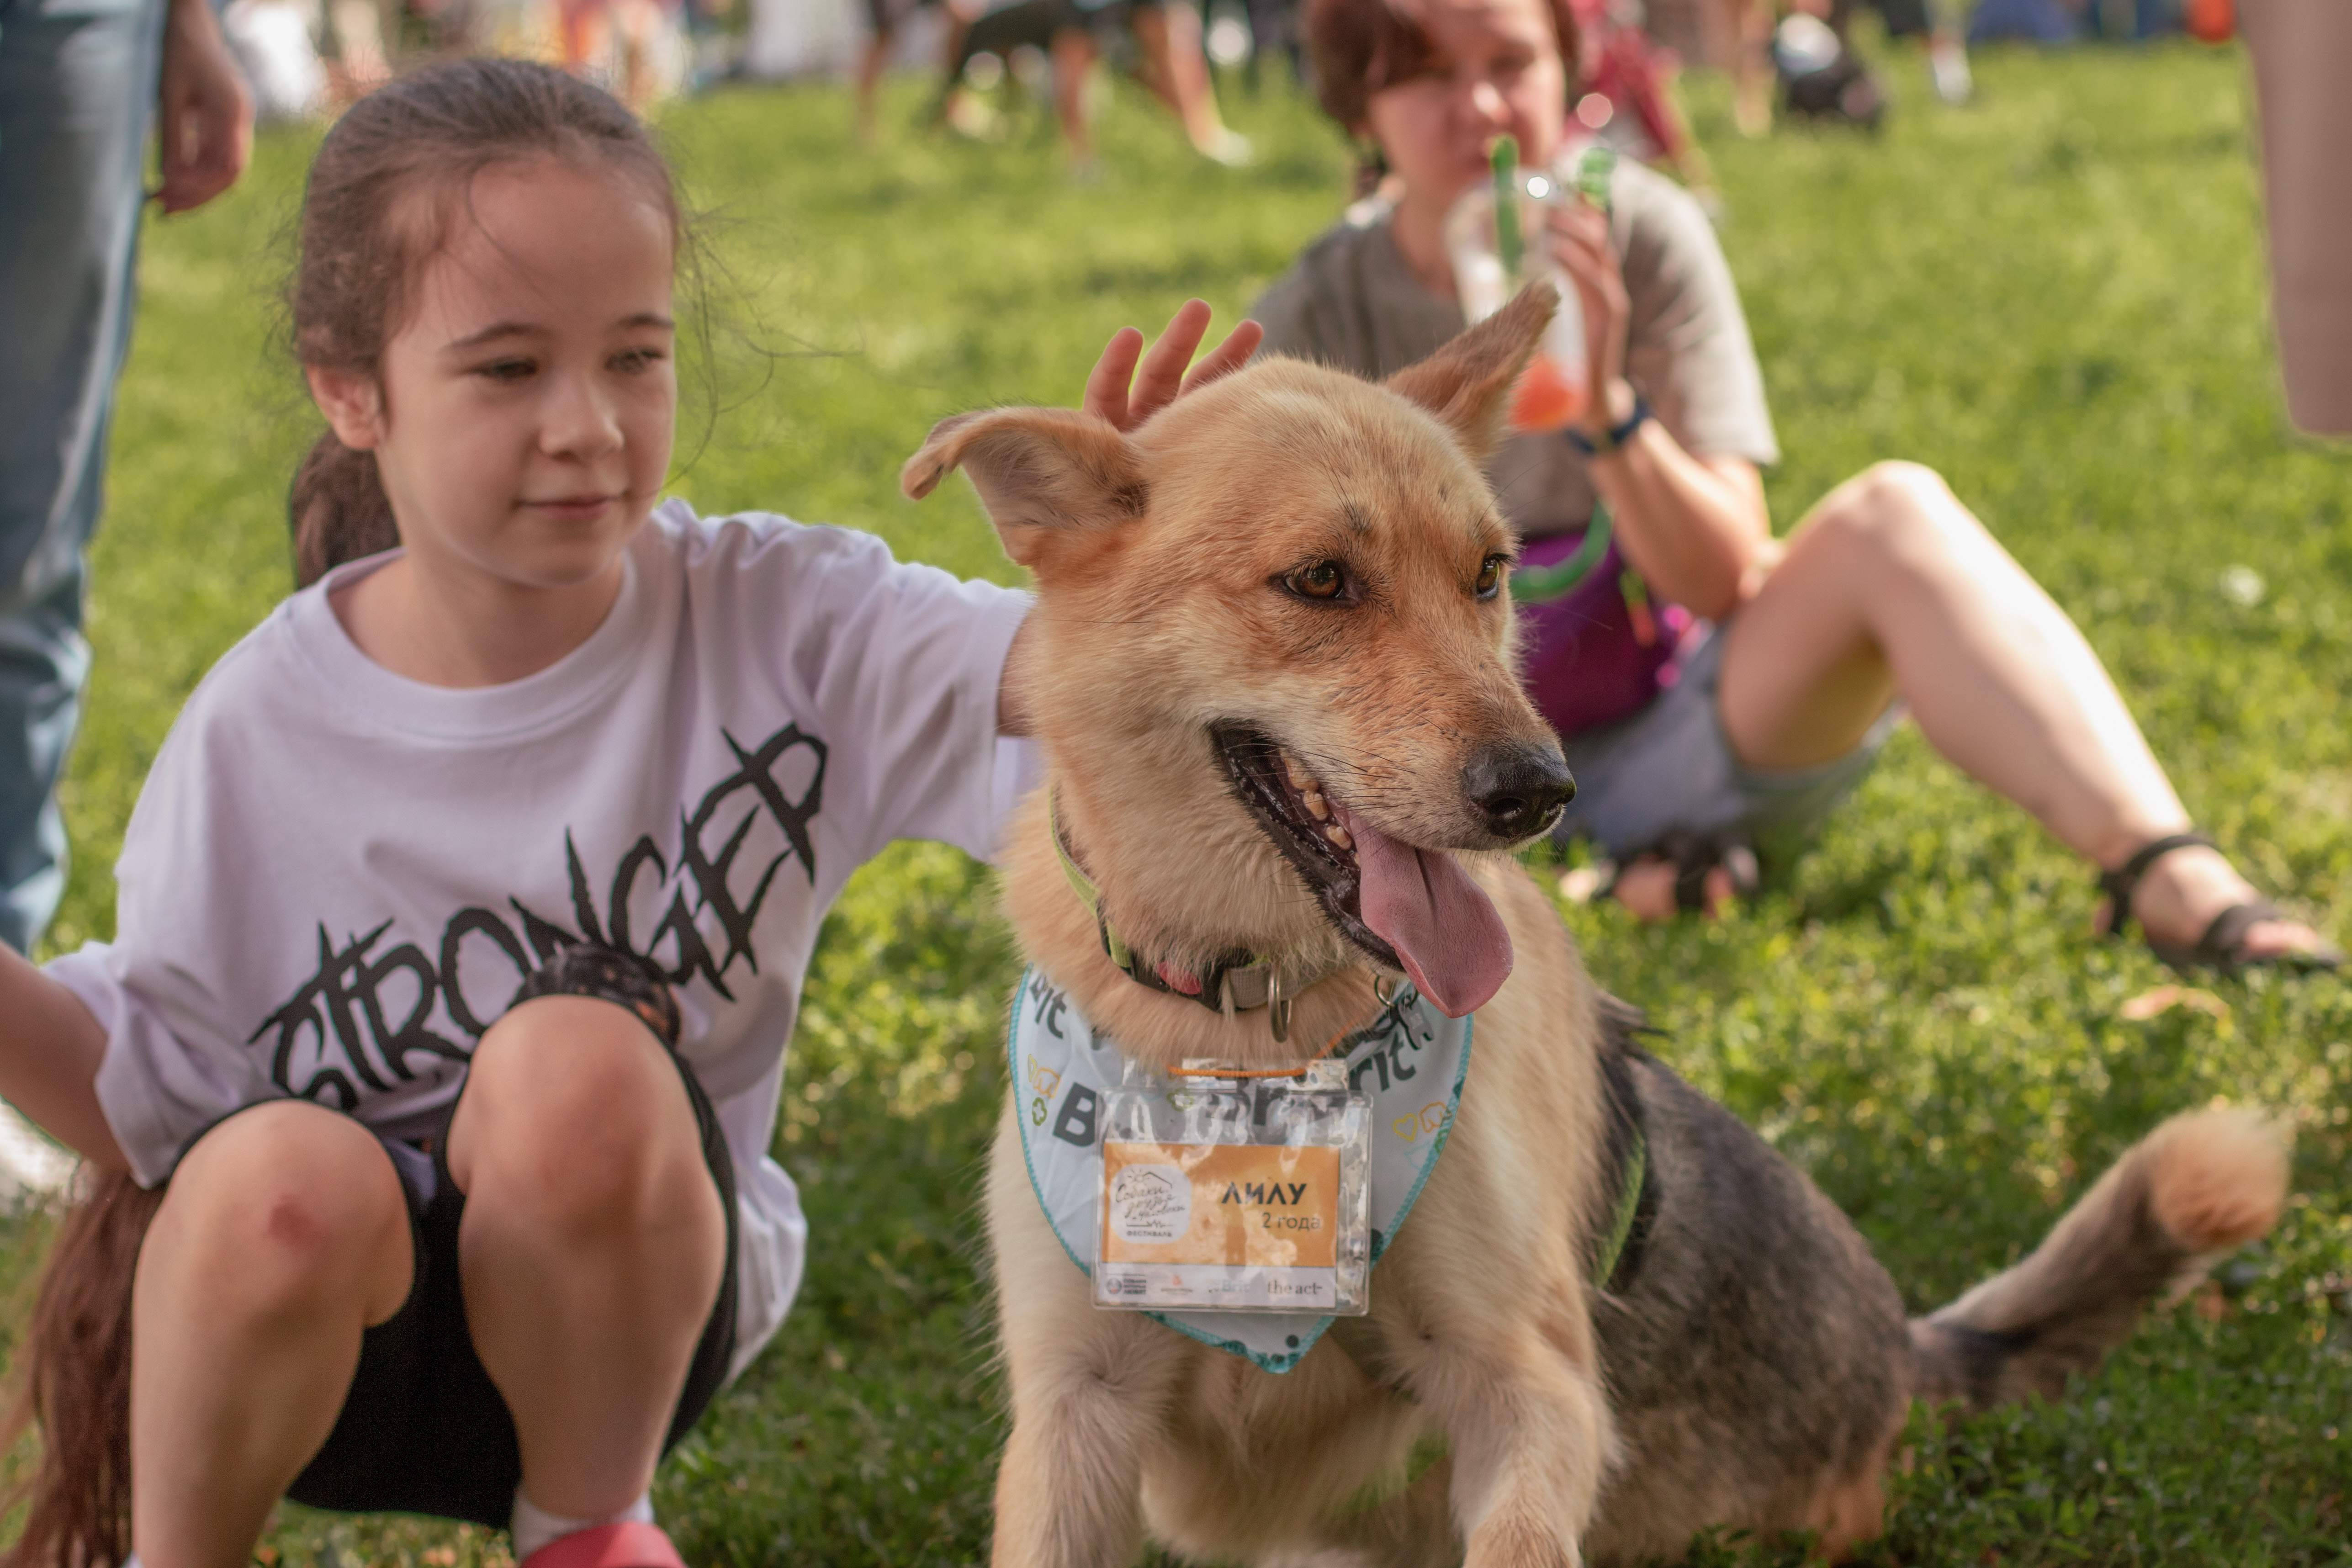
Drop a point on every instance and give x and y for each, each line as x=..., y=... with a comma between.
x=1117, y=393
x=1579, y=242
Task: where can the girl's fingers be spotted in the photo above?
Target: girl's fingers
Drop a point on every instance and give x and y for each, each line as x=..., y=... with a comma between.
x=1107, y=386
x=1230, y=355
x=1579, y=218
x=1162, y=375
x=1128, y=387
x=1594, y=247
x=1584, y=269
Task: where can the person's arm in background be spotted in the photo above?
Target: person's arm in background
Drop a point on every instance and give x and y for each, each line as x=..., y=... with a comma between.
x=1697, y=528
x=204, y=115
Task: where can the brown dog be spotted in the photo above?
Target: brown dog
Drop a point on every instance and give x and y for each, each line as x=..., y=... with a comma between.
x=1271, y=672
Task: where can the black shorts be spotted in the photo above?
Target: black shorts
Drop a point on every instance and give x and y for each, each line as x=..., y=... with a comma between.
x=423, y=1429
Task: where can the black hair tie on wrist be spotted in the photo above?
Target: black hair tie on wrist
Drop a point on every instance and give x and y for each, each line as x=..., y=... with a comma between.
x=1615, y=435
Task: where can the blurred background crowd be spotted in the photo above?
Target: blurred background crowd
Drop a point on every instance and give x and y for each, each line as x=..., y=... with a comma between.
x=306, y=58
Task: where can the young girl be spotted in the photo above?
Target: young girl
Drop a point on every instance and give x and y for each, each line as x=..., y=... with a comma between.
x=1889, y=590
x=464, y=916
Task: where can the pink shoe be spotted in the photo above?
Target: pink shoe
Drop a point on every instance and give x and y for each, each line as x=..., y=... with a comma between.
x=630, y=1544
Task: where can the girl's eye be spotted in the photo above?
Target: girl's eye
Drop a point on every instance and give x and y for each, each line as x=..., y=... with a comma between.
x=633, y=361
x=506, y=369
x=1324, y=580
x=1490, y=575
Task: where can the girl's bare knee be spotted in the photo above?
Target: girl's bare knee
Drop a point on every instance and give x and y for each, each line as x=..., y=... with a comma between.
x=1898, y=515
x=575, y=1111
x=283, y=1209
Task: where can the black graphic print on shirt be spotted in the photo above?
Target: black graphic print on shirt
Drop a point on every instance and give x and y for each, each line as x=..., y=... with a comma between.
x=382, y=1011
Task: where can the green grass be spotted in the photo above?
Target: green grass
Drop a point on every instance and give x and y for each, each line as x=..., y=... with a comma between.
x=2055, y=298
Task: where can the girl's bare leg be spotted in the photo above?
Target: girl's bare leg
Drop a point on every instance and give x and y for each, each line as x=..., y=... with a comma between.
x=285, y=1234
x=1892, y=587
x=1074, y=55
x=1179, y=72
x=592, y=1243
x=870, y=83
x=1752, y=78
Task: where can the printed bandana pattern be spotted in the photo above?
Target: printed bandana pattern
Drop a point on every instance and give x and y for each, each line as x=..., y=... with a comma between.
x=1410, y=1061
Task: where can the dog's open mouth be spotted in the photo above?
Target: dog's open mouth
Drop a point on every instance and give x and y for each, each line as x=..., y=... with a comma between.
x=1407, y=909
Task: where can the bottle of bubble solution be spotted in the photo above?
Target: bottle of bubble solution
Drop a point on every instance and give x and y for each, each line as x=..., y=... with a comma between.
x=1486, y=238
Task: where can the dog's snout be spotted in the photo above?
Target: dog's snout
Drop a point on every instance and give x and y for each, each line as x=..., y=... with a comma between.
x=1518, y=788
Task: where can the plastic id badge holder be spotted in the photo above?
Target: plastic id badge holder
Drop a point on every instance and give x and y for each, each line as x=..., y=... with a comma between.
x=1232, y=1194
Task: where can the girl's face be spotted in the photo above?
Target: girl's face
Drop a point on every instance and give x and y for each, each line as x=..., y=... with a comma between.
x=1496, y=72
x=521, y=417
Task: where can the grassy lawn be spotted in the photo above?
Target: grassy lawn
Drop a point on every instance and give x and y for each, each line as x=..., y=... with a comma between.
x=2054, y=297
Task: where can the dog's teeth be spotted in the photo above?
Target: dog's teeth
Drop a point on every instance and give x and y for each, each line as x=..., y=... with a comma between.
x=1341, y=836
x=1316, y=807
x=1300, y=779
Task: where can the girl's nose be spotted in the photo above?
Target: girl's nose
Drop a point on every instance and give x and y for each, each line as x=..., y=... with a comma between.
x=1487, y=103
x=579, y=422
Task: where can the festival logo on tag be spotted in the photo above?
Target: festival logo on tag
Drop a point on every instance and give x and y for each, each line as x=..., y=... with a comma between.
x=1151, y=1202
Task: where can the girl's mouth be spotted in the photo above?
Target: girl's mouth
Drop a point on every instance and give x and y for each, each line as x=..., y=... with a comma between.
x=576, y=509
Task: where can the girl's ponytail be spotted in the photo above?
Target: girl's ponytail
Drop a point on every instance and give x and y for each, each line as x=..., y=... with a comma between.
x=337, y=508
x=73, y=1377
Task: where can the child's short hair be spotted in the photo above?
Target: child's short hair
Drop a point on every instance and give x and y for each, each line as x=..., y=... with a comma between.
x=363, y=233
x=1363, y=47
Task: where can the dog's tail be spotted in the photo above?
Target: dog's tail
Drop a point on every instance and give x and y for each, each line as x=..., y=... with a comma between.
x=2199, y=1185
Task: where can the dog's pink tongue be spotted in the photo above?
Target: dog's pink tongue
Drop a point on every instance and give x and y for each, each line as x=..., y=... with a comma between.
x=1425, y=906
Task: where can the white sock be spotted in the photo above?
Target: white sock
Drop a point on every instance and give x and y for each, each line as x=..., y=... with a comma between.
x=534, y=1527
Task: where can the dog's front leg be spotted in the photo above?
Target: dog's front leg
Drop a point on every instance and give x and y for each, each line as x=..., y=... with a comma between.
x=1529, y=1427
x=1090, y=1399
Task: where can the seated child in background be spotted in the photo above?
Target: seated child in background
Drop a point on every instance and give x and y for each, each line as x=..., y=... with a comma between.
x=1889, y=592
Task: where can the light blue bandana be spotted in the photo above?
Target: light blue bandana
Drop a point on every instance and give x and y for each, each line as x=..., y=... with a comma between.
x=1410, y=1061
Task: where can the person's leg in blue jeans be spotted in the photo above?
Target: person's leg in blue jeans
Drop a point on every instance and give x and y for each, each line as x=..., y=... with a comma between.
x=78, y=90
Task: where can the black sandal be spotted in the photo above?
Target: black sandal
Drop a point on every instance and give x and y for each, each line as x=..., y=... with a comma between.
x=2218, y=948
x=1693, y=856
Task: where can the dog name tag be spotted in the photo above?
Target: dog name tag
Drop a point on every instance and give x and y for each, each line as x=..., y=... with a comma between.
x=1235, y=1195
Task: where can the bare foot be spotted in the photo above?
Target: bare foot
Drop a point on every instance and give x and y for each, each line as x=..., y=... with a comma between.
x=1645, y=886
x=2182, y=893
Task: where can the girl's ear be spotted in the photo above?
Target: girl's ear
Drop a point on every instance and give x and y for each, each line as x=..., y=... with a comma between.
x=1053, y=479
x=1467, y=383
x=351, y=403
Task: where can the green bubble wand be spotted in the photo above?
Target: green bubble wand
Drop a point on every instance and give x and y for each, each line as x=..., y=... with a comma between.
x=1508, y=243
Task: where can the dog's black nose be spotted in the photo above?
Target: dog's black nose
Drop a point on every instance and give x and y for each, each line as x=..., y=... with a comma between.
x=1518, y=788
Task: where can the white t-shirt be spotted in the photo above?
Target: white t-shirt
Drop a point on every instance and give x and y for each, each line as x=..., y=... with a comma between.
x=336, y=878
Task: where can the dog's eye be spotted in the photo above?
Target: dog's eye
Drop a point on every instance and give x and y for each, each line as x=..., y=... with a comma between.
x=1490, y=575
x=1324, y=580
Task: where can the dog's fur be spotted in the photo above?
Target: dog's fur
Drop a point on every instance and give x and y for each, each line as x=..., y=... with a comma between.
x=1757, y=1371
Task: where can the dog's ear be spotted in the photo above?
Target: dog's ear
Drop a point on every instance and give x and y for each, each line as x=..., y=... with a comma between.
x=1467, y=383
x=1048, y=477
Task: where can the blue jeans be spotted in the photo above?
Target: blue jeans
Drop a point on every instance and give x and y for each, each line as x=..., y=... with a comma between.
x=78, y=81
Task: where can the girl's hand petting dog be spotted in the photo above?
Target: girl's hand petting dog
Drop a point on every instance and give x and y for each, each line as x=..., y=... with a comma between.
x=1117, y=392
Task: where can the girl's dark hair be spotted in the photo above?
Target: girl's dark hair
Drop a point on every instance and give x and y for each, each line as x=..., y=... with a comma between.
x=1360, y=47
x=73, y=1378
x=386, y=186
x=384, y=189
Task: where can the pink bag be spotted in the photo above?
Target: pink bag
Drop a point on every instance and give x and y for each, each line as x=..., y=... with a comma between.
x=1594, y=648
